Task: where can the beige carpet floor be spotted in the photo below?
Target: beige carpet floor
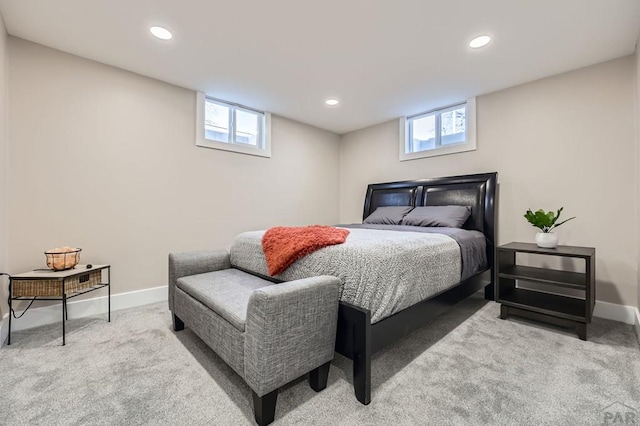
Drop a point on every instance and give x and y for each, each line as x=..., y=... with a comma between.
x=468, y=367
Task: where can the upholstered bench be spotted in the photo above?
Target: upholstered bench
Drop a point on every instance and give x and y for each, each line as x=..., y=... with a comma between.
x=268, y=333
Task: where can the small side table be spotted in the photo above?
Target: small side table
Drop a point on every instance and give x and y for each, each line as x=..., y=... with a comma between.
x=556, y=309
x=45, y=284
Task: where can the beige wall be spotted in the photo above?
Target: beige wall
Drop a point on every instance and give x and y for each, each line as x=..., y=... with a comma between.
x=106, y=160
x=4, y=164
x=560, y=141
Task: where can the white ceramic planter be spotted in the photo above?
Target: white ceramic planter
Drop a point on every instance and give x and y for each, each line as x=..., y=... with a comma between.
x=546, y=239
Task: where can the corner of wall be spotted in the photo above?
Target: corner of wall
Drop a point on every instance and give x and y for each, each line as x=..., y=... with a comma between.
x=637, y=152
x=341, y=142
x=4, y=165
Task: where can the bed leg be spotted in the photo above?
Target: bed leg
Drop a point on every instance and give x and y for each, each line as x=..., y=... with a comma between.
x=489, y=292
x=353, y=340
x=362, y=359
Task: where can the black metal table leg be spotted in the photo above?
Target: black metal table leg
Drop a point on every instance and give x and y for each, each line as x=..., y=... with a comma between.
x=10, y=311
x=64, y=312
x=109, y=293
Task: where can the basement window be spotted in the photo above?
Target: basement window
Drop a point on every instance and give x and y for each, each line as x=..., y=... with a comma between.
x=232, y=127
x=441, y=131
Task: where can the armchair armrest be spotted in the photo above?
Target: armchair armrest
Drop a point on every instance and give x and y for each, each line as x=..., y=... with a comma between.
x=290, y=330
x=194, y=262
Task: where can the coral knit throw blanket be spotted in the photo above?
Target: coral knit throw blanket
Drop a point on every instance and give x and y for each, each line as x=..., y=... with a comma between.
x=284, y=245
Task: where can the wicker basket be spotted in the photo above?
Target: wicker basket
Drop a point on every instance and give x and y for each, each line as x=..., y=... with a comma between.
x=61, y=259
x=46, y=288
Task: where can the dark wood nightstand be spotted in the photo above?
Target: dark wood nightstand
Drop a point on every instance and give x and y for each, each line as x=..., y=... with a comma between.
x=566, y=311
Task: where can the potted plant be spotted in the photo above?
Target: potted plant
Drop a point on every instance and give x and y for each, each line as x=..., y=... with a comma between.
x=546, y=222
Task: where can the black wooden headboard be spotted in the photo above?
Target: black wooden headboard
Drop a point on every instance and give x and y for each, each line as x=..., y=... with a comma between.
x=477, y=191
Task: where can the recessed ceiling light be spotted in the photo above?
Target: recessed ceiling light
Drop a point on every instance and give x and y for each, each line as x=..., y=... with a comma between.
x=161, y=32
x=332, y=102
x=479, y=41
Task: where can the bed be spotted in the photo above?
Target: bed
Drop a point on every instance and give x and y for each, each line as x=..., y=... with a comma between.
x=385, y=295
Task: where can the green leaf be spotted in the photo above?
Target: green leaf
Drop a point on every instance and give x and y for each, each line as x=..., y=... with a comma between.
x=546, y=221
x=557, y=215
x=564, y=221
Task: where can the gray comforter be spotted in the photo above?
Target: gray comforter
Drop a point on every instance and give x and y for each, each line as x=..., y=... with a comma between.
x=473, y=246
x=381, y=270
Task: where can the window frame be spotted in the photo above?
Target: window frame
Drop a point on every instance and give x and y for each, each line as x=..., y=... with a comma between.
x=264, y=130
x=406, y=132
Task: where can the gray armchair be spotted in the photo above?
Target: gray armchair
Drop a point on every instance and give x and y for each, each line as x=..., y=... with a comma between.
x=269, y=333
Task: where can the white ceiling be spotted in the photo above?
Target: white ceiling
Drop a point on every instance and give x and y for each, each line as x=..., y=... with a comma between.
x=381, y=58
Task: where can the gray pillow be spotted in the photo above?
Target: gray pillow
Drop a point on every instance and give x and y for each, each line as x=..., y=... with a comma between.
x=390, y=215
x=449, y=216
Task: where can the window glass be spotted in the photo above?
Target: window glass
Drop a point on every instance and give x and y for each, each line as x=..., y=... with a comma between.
x=247, y=127
x=216, y=121
x=453, y=126
x=424, y=133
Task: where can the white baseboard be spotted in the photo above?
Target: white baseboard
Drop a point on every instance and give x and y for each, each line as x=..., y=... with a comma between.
x=611, y=311
x=36, y=317
x=638, y=323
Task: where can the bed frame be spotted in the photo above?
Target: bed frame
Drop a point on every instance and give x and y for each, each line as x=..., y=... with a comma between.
x=357, y=338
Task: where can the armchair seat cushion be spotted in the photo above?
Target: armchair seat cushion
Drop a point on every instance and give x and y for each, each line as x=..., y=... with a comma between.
x=214, y=330
x=226, y=292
